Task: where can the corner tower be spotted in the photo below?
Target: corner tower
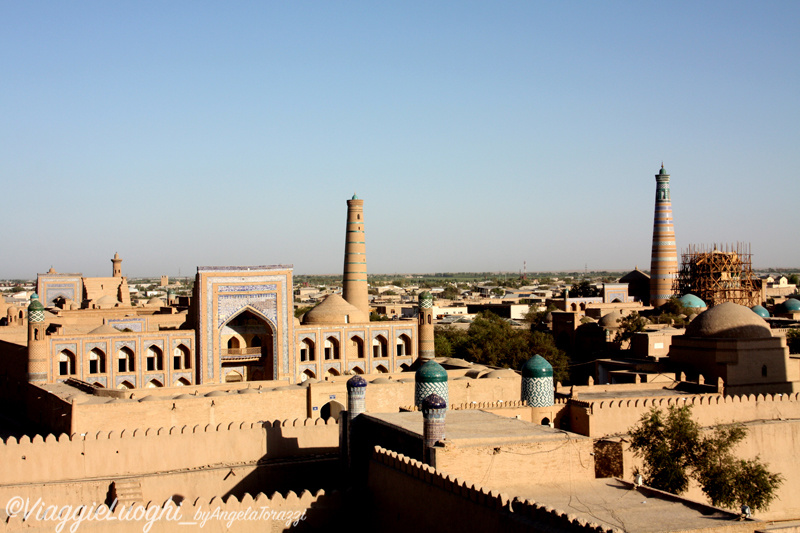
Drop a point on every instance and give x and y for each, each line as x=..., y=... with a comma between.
x=354, y=288
x=664, y=259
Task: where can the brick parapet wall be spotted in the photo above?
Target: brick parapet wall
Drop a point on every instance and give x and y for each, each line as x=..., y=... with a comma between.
x=612, y=417
x=110, y=454
x=520, y=515
x=258, y=513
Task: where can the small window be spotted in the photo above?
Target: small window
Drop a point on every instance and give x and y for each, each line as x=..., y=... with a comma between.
x=97, y=362
x=125, y=360
x=66, y=363
x=154, y=360
x=764, y=371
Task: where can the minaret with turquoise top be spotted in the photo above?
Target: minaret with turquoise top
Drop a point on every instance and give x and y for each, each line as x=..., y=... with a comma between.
x=664, y=258
x=37, y=343
x=354, y=286
x=537, y=382
x=430, y=378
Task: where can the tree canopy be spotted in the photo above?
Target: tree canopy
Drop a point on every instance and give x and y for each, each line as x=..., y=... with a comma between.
x=793, y=340
x=583, y=289
x=491, y=340
x=628, y=325
x=674, y=450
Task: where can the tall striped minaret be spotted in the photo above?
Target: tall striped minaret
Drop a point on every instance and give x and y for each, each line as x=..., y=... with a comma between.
x=354, y=288
x=664, y=261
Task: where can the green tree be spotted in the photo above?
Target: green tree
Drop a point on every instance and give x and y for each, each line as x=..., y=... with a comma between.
x=673, y=306
x=542, y=343
x=442, y=346
x=793, y=340
x=300, y=311
x=674, y=450
x=535, y=317
x=375, y=317
x=628, y=325
x=449, y=292
x=793, y=279
x=668, y=447
x=451, y=341
x=492, y=341
x=584, y=289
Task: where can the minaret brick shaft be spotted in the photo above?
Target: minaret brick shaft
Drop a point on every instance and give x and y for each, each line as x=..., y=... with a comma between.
x=355, y=258
x=427, y=347
x=37, y=343
x=117, y=266
x=664, y=259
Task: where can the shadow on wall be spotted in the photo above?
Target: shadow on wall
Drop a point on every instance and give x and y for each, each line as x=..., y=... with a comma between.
x=288, y=466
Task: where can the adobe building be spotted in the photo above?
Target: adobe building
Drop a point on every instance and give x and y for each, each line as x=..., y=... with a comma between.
x=240, y=326
x=504, y=462
x=732, y=343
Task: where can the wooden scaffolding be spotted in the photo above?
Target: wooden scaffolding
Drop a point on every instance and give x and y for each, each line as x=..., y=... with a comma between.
x=716, y=275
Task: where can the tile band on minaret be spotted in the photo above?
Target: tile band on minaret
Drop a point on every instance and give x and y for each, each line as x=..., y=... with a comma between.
x=664, y=258
x=354, y=286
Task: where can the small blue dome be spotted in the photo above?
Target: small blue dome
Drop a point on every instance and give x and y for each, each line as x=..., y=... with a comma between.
x=356, y=382
x=433, y=401
x=760, y=311
x=791, y=305
x=35, y=304
x=691, y=301
x=431, y=372
x=537, y=367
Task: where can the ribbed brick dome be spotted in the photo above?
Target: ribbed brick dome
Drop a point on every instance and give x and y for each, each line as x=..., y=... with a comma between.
x=728, y=321
x=335, y=310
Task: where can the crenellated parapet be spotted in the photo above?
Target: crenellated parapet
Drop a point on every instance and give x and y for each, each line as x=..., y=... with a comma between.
x=617, y=416
x=489, y=405
x=251, y=513
x=478, y=495
x=143, y=451
x=51, y=438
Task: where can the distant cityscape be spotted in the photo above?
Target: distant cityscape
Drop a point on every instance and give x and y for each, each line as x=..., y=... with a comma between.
x=502, y=396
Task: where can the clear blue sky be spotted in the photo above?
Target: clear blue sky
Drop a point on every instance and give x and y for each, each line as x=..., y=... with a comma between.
x=480, y=134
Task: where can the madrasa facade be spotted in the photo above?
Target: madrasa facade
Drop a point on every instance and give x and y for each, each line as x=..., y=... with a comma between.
x=238, y=326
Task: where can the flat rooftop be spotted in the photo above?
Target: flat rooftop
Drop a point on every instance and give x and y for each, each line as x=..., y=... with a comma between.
x=610, y=502
x=615, y=504
x=476, y=428
x=630, y=393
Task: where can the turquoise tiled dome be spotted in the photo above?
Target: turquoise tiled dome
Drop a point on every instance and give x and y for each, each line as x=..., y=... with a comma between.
x=791, y=305
x=537, y=367
x=691, y=301
x=431, y=372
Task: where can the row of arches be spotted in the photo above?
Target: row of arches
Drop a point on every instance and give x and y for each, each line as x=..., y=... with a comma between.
x=332, y=372
x=331, y=349
x=152, y=384
x=97, y=361
x=234, y=343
